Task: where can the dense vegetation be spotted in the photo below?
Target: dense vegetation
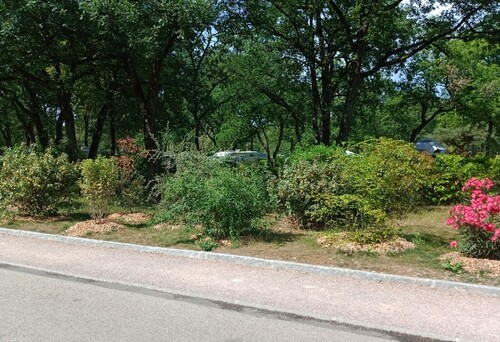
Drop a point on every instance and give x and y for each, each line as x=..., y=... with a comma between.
x=161, y=85
x=267, y=75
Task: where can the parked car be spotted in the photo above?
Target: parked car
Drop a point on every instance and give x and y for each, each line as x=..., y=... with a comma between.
x=241, y=156
x=430, y=146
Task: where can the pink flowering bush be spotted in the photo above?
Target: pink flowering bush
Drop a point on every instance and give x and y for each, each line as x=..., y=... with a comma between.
x=479, y=222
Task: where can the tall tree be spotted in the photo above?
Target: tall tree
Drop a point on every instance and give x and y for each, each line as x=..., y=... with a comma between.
x=142, y=35
x=342, y=43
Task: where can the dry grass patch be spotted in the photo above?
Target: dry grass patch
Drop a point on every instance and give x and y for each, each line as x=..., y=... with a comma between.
x=166, y=227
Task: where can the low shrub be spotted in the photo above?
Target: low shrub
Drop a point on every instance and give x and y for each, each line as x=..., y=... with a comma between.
x=207, y=244
x=388, y=174
x=451, y=171
x=323, y=186
x=36, y=183
x=374, y=235
x=234, y=199
x=226, y=201
x=130, y=181
x=304, y=181
x=348, y=212
x=98, y=185
x=183, y=193
x=479, y=222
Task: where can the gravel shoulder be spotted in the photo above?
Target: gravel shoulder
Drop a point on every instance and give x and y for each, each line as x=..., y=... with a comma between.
x=426, y=308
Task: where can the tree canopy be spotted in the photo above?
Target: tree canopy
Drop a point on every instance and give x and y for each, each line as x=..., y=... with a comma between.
x=248, y=74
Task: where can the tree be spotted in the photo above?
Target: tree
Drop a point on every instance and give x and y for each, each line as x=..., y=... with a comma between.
x=472, y=69
x=342, y=43
x=142, y=36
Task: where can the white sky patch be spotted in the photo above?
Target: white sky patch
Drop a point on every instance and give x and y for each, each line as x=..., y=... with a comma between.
x=438, y=8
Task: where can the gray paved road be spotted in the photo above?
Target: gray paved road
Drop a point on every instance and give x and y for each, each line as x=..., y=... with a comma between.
x=38, y=307
x=464, y=314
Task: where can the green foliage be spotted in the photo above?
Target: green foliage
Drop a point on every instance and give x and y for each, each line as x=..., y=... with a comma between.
x=207, y=244
x=98, y=185
x=452, y=267
x=325, y=187
x=311, y=174
x=373, y=236
x=225, y=200
x=388, y=174
x=452, y=171
x=476, y=243
x=183, y=193
x=36, y=183
x=235, y=198
x=348, y=212
x=316, y=153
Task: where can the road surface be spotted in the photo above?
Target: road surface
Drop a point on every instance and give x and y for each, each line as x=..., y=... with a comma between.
x=316, y=300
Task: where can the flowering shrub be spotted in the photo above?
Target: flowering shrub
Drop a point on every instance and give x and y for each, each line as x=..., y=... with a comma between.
x=478, y=222
x=130, y=182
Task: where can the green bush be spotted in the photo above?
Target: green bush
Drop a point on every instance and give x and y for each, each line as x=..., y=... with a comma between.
x=98, y=185
x=452, y=171
x=234, y=199
x=388, y=174
x=183, y=193
x=314, y=154
x=324, y=187
x=374, y=235
x=225, y=200
x=348, y=212
x=476, y=243
x=36, y=183
x=305, y=180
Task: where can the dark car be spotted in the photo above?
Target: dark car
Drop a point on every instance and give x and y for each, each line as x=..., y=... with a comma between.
x=430, y=146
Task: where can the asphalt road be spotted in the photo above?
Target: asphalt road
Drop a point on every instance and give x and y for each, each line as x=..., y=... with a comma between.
x=222, y=293
x=37, y=306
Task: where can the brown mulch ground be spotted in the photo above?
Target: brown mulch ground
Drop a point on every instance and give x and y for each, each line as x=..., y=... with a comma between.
x=88, y=227
x=490, y=268
x=130, y=217
x=392, y=246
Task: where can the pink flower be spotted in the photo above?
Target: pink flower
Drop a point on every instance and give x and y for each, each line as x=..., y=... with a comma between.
x=453, y=244
x=482, y=211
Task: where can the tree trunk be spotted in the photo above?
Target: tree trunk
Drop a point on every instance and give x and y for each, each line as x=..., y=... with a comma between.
x=59, y=130
x=34, y=113
x=6, y=134
x=64, y=99
x=316, y=105
x=99, y=127
x=489, y=140
x=197, y=131
x=347, y=117
x=112, y=133
x=86, y=122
